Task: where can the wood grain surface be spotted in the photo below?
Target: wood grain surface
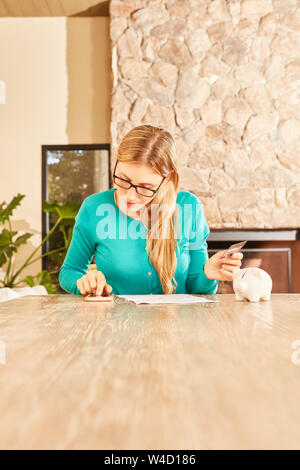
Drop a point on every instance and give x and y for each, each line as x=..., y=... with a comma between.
x=84, y=375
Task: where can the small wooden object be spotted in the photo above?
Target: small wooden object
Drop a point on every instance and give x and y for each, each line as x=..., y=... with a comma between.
x=98, y=298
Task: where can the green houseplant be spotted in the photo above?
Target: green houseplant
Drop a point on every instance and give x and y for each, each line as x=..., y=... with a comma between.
x=10, y=241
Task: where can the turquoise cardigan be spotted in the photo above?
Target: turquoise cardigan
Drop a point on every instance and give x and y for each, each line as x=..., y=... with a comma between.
x=119, y=245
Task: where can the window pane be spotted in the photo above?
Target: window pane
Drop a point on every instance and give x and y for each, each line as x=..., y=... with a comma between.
x=70, y=176
x=75, y=174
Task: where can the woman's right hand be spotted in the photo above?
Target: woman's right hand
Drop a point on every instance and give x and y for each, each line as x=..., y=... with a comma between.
x=94, y=283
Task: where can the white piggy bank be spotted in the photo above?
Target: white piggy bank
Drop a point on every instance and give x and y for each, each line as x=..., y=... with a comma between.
x=253, y=284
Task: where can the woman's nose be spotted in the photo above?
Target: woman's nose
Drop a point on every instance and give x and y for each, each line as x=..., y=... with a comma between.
x=131, y=193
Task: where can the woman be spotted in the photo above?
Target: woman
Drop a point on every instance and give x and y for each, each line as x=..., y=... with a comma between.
x=147, y=237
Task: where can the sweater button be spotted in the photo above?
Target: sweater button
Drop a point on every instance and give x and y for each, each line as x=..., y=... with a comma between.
x=149, y=273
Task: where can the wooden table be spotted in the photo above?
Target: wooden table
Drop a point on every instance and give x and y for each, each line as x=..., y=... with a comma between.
x=82, y=375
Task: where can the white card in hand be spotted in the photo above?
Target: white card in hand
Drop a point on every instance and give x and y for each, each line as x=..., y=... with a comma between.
x=235, y=248
x=165, y=299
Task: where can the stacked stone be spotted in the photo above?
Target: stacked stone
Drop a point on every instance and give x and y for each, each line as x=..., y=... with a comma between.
x=224, y=78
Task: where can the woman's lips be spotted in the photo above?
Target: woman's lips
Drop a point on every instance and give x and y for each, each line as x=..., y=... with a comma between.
x=131, y=204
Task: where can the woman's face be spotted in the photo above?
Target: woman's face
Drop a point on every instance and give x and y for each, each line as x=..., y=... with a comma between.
x=140, y=174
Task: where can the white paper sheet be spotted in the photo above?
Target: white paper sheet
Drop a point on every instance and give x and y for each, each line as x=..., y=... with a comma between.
x=165, y=299
x=6, y=293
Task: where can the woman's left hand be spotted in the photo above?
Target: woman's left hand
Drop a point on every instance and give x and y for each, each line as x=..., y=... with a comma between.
x=222, y=269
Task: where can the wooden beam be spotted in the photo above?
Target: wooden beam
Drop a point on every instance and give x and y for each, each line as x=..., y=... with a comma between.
x=14, y=7
x=101, y=9
x=56, y=8
x=46, y=8
x=35, y=8
x=72, y=7
x=4, y=11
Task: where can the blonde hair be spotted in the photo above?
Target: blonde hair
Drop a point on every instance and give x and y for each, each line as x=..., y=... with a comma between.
x=156, y=147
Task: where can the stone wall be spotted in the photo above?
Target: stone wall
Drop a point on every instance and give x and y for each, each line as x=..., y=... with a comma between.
x=224, y=78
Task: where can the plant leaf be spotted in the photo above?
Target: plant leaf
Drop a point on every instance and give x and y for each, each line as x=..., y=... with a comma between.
x=29, y=280
x=45, y=280
x=69, y=210
x=3, y=258
x=6, y=212
x=50, y=206
x=66, y=211
x=5, y=238
x=9, y=251
x=22, y=239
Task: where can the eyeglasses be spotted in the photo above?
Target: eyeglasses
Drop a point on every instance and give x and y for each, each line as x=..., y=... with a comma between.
x=141, y=190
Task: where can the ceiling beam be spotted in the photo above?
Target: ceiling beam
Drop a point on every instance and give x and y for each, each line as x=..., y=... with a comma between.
x=46, y=8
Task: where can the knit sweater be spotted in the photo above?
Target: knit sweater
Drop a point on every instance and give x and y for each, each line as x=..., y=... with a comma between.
x=118, y=243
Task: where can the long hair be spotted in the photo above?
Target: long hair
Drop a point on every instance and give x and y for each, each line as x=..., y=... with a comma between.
x=156, y=147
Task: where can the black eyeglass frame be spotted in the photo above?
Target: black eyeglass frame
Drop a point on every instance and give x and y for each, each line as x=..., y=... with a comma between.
x=136, y=186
